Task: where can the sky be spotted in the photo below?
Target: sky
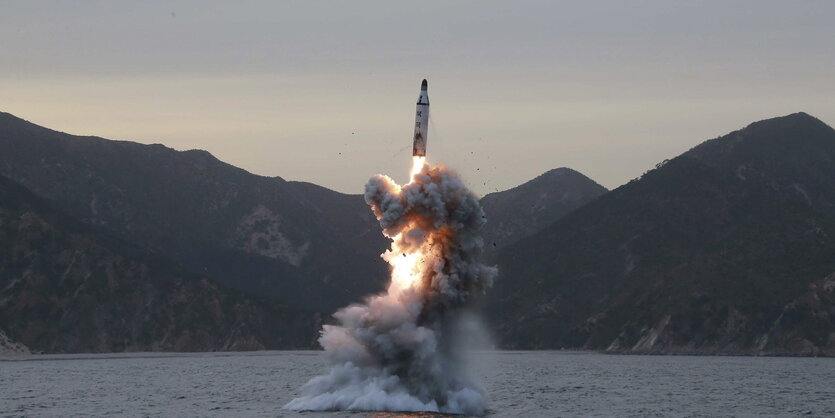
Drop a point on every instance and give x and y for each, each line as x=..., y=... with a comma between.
x=325, y=91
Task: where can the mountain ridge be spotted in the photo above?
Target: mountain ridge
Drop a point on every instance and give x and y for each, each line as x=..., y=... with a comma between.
x=65, y=287
x=293, y=241
x=725, y=249
x=247, y=231
x=690, y=241
x=520, y=211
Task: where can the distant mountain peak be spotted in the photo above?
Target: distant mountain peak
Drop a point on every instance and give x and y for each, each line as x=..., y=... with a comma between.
x=769, y=142
x=797, y=117
x=201, y=154
x=792, y=121
x=554, y=178
x=520, y=211
x=560, y=171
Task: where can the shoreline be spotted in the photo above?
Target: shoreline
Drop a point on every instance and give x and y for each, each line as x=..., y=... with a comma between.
x=14, y=357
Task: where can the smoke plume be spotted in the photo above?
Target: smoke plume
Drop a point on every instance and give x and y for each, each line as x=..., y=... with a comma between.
x=398, y=350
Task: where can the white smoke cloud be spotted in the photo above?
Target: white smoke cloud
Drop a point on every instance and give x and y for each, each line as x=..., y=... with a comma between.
x=400, y=350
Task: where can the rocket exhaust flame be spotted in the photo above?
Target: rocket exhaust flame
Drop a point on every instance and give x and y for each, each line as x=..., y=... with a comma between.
x=397, y=351
x=417, y=166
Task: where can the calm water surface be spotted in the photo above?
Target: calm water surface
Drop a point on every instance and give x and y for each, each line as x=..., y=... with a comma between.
x=519, y=384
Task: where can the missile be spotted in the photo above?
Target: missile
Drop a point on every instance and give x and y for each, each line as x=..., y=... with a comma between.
x=421, y=122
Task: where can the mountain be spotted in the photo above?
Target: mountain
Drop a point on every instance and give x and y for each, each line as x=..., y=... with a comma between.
x=523, y=210
x=165, y=216
x=293, y=242
x=10, y=347
x=65, y=287
x=728, y=248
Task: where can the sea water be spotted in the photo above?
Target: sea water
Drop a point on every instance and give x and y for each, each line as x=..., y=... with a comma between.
x=518, y=384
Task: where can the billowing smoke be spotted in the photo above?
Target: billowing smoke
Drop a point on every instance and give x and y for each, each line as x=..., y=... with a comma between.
x=398, y=350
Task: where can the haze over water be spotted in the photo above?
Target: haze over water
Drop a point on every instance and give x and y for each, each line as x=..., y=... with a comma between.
x=529, y=384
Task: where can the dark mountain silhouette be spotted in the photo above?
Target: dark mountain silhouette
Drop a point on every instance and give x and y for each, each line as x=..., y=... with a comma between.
x=728, y=248
x=290, y=241
x=725, y=249
x=145, y=217
x=65, y=287
x=523, y=210
x=293, y=242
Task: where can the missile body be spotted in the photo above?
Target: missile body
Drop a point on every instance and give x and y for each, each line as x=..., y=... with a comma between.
x=421, y=122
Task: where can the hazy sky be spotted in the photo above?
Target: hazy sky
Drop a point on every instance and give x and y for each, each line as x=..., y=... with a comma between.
x=325, y=91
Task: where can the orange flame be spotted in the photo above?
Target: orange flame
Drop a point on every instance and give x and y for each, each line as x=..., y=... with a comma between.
x=407, y=262
x=417, y=166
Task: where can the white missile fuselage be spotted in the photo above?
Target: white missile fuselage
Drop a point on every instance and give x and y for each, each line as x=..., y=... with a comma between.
x=421, y=122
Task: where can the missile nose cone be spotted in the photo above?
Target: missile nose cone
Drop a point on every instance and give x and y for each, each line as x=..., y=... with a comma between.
x=423, y=85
